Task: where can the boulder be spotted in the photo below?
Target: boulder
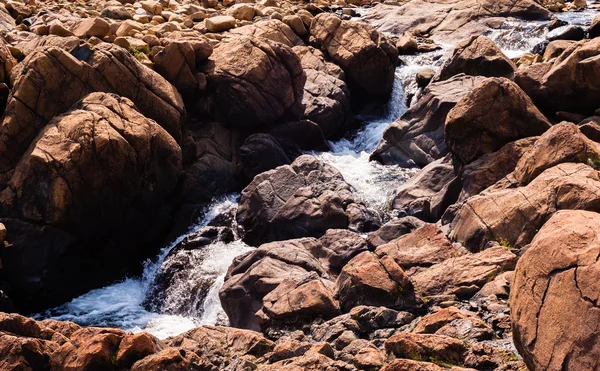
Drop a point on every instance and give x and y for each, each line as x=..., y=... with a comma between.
x=427, y=346
x=99, y=177
x=70, y=76
x=567, y=32
x=220, y=23
x=260, y=153
x=251, y=82
x=450, y=22
x=242, y=12
x=305, y=134
x=417, y=138
x=512, y=214
x=494, y=113
x=272, y=29
x=367, y=57
x=410, y=365
x=254, y=275
x=477, y=56
x=556, y=48
x=463, y=276
x=393, y=229
x=455, y=323
x=554, y=296
x=337, y=247
x=594, y=29
x=423, y=247
x=90, y=27
x=305, y=198
x=562, y=143
x=373, y=281
x=562, y=84
x=178, y=60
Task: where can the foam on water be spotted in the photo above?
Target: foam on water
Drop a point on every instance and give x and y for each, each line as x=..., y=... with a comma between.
x=120, y=304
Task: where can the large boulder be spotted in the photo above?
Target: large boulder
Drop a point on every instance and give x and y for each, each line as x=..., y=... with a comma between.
x=563, y=84
x=303, y=199
x=512, y=214
x=272, y=29
x=87, y=199
x=69, y=76
x=367, y=57
x=451, y=21
x=477, y=56
x=494, y=113
x=554, y=296
x=251, y=82
x=417, y=138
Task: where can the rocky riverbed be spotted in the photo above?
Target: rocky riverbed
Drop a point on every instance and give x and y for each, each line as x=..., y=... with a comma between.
x=275, y=184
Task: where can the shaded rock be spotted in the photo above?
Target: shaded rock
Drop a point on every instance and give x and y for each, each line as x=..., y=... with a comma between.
x=463, y=276
x=417, y=138
x=494, y=113
x=477, y=56
x=393, y=229
x=337, y=247
x=594, y=29
x=568, y=32
x=260, y=153
x=365, y=55
x=556, y=48
x=554, y=297
x=369, y=280
x=306, y=134
x=251, y=82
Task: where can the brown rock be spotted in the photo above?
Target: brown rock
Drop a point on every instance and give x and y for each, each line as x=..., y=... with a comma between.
x=463, y=276
x=91, y=27
x=367, y=57
x=135, y=347
x=220, y=23
x=393, y=229
x=88, y=349
x=368, y=280
x=556, y=48
x=409, y=365
x=337, y=247
x=554, y=297
x=455, y=323
x=494, y=113
x=426, y=346
x=271, y=29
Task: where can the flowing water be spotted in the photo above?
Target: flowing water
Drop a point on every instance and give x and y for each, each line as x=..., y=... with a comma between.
x=122, y=304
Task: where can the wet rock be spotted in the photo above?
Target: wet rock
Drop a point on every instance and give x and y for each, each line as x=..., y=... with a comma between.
x=568, y=32
x=451, y=21
x=106, y=189
x=477, y=56
x=513, y=214
x=251, y=83
x=369, y=280
x=494, y=113
x=366, y=56
x=305, y=134
x=417, y=138
x=305, y=198
x=553, y=300
x=393, y=229
x=594, y=29
x=463, y=276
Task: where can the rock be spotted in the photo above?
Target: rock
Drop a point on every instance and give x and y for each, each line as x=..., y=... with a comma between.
x=128, y=28
x=296, y=24
x=560, y=85
x=463, y=276
x=366, y=56
x=477, y=56
x=136, y=347
x=210, y=163
x=429, y=192
x=393, y=229
x=253, y=275
x=369, y=359
x=407, y=44
x=178, y=60
x=305, y=198
x=7, y=62
x=260, y=153
x=91, y=27
x=568, y=32
x=337, y=247
x=424, y=77
x=417, y=138
x=494, y=113
x=425, y=246
x=369, y=280
x=314, y=59
x=594, y=29
x=220, y=23
x=553, y=299
x=427, y=346
x=305, y=134
x=106, y=188
x=117, y=12
x=449, y=22
x=271, y=29
x=499, y=287
x=167, y=359
x=513, y=214
x=153, y=96
x=409, y=365
x=242, y=12
x=455, y=323
x=240, y=77
x=561, y=143
x=88, y=348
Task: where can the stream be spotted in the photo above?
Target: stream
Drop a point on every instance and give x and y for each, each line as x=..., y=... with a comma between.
x=122, y=304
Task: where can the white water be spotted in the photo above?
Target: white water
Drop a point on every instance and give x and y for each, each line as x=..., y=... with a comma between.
x=120, y=304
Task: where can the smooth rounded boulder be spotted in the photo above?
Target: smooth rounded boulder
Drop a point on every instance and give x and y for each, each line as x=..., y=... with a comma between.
x=554, y=296
x=494, y=113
